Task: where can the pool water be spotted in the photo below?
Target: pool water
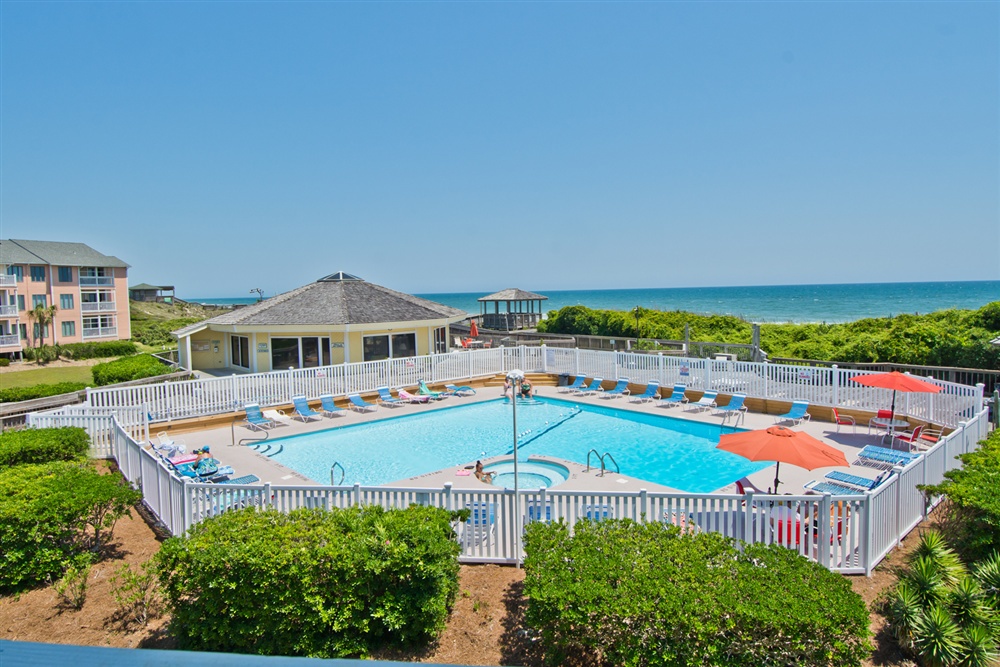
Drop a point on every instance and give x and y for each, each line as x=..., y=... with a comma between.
x=673, y=452
x=530, y=474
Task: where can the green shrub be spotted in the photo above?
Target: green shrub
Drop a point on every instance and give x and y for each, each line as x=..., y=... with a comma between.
x=72, y=588
x=157, y=332
x=312, y=582
x=973, y=515
x=940, y=612
x=105, y=350
x=128, y=368
x=42, y=354
x=4, y=362
x=14, y=394
x=137, y=595
x=623, y=593
x=42, y=445
x=47, y=515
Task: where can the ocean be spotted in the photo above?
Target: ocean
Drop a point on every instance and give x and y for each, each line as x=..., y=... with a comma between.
x=768, y=303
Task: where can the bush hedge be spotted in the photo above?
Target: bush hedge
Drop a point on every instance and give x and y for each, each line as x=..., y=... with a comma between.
x=107, y=349
x=942, y=338
x=53, y=512
x=311, y=582
x=128, y=368
x=623, y=593
x=973, y=519
x=14, y=394
x=42, y=445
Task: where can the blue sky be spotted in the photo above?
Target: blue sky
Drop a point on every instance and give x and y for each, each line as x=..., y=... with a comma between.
x=444, y=146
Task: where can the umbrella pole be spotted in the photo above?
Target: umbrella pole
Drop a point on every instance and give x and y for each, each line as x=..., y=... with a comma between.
x=777, y=466
x=892, y=408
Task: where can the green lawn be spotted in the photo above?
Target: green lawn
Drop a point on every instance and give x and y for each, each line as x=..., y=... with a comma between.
x=43, y=375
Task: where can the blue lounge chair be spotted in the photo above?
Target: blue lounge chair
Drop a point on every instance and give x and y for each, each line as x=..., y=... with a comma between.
x=255, y=420
x=652, y=393
x=479, y=527
x=539, y=512
x=424, y=390
x=328, y=407
x=302, y=409
x=464, y=390
x=358, y=404
x=576, y=386
x=385, y=397
x=621, y=389
x=735, y=407
x=594, y=386
x=833, y=489
x=884, y=458
x=598, y=512
x=245, y=479
x=706, y=402
x=676, y=396
x=796, y=415
x=857, y=480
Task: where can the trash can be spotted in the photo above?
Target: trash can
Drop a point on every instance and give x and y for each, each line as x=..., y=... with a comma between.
x=563, y=379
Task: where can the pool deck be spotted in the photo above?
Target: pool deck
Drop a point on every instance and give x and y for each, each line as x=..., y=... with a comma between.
x=246, y=460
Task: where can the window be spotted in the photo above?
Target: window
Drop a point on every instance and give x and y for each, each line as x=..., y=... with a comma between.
x=38, y=274
x=24, y=331
x=239, y=346
x=42, y=333
x=68, y=329
x=16, y=271
x=284, y=353
x=440, y=340
x=38, y=300
x=387, y=346
x=66, y=302
x=65, y=274
x=20, y=302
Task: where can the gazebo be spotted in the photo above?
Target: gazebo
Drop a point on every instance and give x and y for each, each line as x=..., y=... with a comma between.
x=511, y=309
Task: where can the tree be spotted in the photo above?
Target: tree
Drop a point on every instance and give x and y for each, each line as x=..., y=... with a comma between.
x=43, y=316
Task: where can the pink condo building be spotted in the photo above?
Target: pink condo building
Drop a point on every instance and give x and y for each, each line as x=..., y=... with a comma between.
x=89, y=289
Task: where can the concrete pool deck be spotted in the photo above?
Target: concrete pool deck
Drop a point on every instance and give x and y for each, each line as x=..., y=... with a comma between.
x=224, y=444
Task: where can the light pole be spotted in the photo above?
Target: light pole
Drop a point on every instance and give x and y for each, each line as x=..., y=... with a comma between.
x=637, y=311
x=515, y=377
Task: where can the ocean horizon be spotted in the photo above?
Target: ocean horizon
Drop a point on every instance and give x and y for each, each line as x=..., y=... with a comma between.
x=765, y=303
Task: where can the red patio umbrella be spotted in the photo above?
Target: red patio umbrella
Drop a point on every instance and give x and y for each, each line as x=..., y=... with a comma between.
x=897, y=382
x=782, y=445
x=474, y=329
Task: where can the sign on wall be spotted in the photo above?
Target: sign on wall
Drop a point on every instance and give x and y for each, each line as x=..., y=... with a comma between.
x=261, y=347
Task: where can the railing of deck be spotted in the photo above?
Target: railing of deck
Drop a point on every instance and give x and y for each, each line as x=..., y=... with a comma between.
x=820, y=386
x=848, y=534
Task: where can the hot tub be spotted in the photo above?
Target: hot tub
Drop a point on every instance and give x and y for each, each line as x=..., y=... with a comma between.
x=532, y=474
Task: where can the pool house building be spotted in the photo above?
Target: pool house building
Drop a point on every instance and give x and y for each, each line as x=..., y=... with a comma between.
x=338, y=319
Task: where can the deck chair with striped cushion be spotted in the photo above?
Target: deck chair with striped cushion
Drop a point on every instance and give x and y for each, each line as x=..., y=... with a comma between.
x=796, y=415
x=328, y=407
x=255, y=420
x=621, y=389
x=652, y=393
x=577, y=384
x=676, y=396
x=385, y=397
x=359, y=404
x=302, y=409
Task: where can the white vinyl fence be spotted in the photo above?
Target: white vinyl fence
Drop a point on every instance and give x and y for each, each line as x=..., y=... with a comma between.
x=848, y=534
x=820, y=386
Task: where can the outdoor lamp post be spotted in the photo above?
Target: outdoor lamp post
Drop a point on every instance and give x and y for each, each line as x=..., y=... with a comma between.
x=515, y=377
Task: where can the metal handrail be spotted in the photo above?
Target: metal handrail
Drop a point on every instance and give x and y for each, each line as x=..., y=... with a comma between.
x=599, y=458
x=608, y=454
x=343, y=473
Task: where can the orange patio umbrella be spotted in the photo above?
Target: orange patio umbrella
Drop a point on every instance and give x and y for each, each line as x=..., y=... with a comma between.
x=782, y=445
x=474, y=329
x=897, y=382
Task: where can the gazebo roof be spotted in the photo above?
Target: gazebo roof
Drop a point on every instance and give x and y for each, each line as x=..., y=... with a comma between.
x=145, y=287
x=513, y=294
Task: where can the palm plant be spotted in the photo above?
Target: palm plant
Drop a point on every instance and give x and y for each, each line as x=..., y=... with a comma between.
x=941, y=613
x=43, y=317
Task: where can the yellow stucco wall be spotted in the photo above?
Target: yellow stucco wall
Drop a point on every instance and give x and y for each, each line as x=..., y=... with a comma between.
x=208, y=350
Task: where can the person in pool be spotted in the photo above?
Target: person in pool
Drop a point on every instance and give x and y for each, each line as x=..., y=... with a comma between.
x=483, y=476
x=525, y=388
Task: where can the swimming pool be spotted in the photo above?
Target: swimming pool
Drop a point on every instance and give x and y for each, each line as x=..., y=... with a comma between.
x=674, y=452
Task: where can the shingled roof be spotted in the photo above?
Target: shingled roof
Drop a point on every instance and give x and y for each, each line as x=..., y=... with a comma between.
x=335, y=300
x=59, y=253
x=513, y=294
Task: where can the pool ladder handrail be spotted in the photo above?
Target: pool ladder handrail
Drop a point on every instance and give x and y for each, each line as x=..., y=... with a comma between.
x=343, y=473
x=601, y=458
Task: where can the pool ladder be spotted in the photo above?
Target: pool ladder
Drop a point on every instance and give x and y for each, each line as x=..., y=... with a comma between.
x=601, y=457
x=343, y=473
